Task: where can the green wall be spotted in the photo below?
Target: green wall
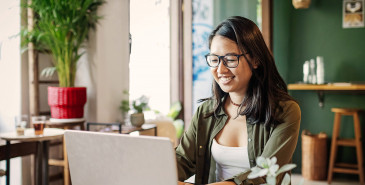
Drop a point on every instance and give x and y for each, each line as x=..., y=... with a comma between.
x=299, y=35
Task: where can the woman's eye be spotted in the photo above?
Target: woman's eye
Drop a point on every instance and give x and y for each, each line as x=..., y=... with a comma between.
x=230, y=57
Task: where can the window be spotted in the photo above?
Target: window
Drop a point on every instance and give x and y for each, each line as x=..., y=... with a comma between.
x=150, y=52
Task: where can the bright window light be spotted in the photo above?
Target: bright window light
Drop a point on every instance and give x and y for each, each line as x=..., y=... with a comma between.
x=150, y=52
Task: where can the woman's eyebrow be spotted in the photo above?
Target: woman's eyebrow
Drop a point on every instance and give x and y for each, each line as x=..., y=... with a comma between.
x=232, y=54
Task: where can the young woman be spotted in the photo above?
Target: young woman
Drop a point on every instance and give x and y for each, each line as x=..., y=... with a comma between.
x=250, y=113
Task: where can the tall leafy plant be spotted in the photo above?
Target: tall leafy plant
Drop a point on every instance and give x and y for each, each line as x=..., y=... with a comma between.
x=61, y=28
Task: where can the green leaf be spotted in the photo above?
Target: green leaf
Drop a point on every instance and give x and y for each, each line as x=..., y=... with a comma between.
x=174, y=110
x=286, y=167
x=48, y=71
x=286, y=180
x=179, y=126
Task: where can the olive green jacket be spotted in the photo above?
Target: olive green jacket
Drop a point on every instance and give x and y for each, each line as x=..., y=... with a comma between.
x=194, y=152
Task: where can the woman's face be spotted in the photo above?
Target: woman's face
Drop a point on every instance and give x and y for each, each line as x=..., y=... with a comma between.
x=230, y=80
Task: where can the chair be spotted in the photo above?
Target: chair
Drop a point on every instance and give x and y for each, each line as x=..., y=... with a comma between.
x=353, y=142
x=64, y=124
x=165, y=128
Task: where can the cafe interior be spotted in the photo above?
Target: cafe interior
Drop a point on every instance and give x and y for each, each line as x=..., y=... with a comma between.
x=152, y=52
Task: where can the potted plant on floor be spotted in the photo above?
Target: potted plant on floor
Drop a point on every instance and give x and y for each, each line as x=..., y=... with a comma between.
x=139, y=105
x=61, y=28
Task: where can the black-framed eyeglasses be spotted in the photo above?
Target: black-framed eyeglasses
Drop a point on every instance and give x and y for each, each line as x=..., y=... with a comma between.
x=230, y=61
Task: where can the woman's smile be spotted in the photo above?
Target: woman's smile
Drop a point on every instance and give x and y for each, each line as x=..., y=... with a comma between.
x=224, y=80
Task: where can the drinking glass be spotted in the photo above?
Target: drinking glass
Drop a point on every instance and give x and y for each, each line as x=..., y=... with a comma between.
x=20, y=124
x=38, y=123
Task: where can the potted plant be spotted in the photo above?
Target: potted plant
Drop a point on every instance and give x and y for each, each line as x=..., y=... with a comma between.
x=61, y=28
x=139, y=105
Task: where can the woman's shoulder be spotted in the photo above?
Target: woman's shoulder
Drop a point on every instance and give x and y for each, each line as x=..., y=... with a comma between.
x=207, y=106
x=289, y=104
x=290, y=108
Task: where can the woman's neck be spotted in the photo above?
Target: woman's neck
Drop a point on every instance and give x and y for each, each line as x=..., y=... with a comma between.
x=236, y=99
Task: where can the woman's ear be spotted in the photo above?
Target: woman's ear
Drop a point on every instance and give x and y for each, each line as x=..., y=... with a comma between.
x=255, y=63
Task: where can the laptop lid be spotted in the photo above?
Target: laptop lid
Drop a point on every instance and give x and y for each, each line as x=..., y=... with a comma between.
x=116, y=159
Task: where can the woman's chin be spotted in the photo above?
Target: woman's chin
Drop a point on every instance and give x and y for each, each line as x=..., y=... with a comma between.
x=225, y=89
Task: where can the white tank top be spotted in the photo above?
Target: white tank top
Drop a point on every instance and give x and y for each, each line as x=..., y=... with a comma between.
x=230, y=161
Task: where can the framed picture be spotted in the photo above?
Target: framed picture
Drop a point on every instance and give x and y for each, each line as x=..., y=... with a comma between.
x=353, y=14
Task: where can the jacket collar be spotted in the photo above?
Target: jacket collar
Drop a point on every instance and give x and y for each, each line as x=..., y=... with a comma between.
x=221, y=109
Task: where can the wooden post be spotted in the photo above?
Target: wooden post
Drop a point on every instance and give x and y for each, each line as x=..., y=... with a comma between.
x=33, y=69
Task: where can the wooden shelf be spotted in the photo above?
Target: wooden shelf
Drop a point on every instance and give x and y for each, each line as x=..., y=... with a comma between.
x=333, y=87
x=328, y=87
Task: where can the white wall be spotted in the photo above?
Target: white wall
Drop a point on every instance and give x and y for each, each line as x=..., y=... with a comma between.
x=10, y=76
x=106, y=74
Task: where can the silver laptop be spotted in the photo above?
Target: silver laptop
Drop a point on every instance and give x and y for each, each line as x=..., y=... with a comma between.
x=117, y=159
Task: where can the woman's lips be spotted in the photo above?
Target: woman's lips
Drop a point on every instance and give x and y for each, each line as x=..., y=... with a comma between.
x=225, y=79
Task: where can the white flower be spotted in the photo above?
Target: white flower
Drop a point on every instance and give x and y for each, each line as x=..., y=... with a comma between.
x=268, y=167
x=273, y=169
x=257, y=172
x=261, y=162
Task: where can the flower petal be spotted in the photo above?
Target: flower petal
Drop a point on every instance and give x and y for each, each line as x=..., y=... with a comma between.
x=273, y=160
x=261, y=161
x=273, y=169
x=271, y=180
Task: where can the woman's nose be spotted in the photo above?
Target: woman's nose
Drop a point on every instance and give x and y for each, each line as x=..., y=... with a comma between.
x=221, y=67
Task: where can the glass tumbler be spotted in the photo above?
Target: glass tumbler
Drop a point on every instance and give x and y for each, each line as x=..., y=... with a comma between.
x=38, y=123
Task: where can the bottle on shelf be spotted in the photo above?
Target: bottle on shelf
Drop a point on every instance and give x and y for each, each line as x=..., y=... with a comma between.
x=313, y=75
x=306, y=72
x=320, y=70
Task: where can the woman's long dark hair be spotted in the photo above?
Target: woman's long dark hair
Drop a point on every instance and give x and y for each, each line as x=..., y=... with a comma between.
x=266, y=87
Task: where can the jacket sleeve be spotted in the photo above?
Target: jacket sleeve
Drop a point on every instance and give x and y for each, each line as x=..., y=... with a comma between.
x=186, y=151
x=281, y=144
x=284, y=138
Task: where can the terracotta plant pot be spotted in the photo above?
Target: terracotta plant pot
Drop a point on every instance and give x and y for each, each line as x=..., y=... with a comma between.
x=67, y=102
x=137, y=119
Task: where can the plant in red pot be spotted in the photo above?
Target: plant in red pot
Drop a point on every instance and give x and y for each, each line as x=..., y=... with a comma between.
x=61, y=28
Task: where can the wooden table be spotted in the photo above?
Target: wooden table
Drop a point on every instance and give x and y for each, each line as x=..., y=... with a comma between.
x=125, y=129
x=41, y=157
x=333, y=87
x=144, y=127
